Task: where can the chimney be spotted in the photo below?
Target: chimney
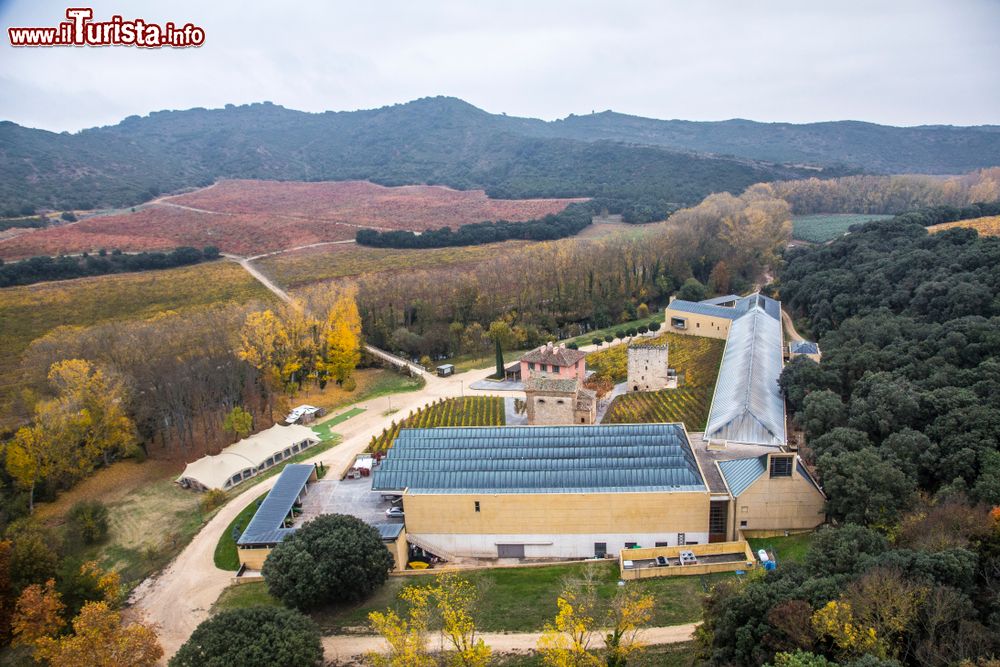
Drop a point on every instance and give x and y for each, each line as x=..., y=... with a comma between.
x=548, y=345
x=672, y=299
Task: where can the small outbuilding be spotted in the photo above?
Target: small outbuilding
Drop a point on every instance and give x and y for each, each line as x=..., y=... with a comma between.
x=444, y=370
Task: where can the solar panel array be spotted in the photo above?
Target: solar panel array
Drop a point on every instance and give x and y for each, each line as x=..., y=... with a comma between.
x=540, y=459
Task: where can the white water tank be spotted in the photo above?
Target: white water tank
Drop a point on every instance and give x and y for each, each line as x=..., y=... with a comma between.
x=762, y=555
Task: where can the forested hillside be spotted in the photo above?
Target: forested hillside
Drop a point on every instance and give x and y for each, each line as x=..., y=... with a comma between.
x=434, y=140
x=902, y=421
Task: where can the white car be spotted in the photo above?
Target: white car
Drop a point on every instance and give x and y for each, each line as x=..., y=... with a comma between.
x=394, y=512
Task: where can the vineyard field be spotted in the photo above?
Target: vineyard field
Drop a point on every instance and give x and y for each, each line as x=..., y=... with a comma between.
x=989, y=226
x=248, y=218
x=467, y=411
x=825, y=227
x=696, y=360
x=688, y=405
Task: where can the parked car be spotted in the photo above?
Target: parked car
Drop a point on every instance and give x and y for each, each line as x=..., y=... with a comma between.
x=394, y=512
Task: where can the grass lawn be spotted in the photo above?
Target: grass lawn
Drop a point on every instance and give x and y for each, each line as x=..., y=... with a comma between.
x=587, y=338
x=792, y=548
x=513, y=599
x=673, y=655
x=226, y=557
x=825, y=227
x=324, y=430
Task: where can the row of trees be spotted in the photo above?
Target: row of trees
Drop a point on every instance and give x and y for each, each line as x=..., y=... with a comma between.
x=566, y=288
x=572, y=220
x=888, y=194
x=37, y=269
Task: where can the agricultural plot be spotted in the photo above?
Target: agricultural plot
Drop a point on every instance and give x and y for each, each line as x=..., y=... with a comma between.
x=825, y=227
x=467, y=411
x=697, y=361
x=29, y=312
x=256, y=217
x=311, y=265
x=988, y=226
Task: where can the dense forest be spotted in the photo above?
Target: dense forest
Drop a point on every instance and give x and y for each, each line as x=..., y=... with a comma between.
x=902, y=422
x=38, y=269
x=438, y=141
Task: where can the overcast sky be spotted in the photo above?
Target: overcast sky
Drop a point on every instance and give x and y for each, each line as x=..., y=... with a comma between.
x=899, y=62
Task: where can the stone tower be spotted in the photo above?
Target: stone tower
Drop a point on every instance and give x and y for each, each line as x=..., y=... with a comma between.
x=648, y=369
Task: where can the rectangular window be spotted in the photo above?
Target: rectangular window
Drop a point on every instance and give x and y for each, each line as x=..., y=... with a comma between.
x=717, y=518
x=531, y=365
x=477, y=505
x=600, y=549
x=663, y=544
x=678, y=322
x=629, y=545
x=743, y=524
x=681, y=539
x=781, y=466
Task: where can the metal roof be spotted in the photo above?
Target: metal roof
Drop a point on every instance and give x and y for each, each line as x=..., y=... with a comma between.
x=389, y=531
x=758, y=300
x=553, y=384
x=266, y=525
x=747, y=405
x=803, y=347
x=696, y=308
x=741, y=473
x=540, y=459
x=719, y=300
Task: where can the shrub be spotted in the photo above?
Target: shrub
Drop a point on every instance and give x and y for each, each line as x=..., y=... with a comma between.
x=654, y=326
x=212, y=499
x=253, y=637
x=88, y=521
x=333, y=558
x=572, y=346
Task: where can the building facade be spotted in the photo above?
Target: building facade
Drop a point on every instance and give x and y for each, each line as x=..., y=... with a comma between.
x=558, y=401
x=556, y=361
x=648, y=368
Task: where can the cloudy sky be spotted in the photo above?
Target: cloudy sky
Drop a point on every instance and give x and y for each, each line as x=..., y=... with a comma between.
x=900, y=62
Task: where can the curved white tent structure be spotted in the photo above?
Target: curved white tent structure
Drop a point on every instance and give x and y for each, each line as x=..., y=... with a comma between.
x=247, y=457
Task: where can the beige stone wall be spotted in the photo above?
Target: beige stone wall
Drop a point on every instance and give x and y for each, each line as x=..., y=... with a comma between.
x=647, y=368
x=399, y=550
x=698, y=325
x=550, y=409
x=780, y=503
x=253, y=558
x=585, y=416
x=554, y=513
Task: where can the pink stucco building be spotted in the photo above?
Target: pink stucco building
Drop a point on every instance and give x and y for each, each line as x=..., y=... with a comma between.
x=554, y=361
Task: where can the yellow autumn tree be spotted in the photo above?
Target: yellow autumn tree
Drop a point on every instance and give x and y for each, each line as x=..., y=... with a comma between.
x=406, y=637
x=100, y=639
x=630, y=610
x=836, y=621
x=566, y=641
x=263, y=341
x=343, y=338
x=30, y=457
x=37, y=614
x=456, y=599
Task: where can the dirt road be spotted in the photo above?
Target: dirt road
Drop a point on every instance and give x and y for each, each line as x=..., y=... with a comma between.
x=180, y=597
x=793, y=335
x=346, y=649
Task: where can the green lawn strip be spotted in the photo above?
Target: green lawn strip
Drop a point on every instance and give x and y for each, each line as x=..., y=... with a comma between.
x=670, y=655
x=242, y=596
x=524, y=599
x=587, y=338
x=824, y=227
x=513, y=599
x=323, y=429
x=226, y=557
x=792, y=548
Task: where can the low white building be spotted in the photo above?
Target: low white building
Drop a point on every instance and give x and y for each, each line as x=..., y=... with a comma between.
x=247, y=458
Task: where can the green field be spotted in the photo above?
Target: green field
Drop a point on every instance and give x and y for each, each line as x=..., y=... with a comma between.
x=467, y=411
x=825, y=227
x=792, y=548
x=518, y=599
x=226, y=557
